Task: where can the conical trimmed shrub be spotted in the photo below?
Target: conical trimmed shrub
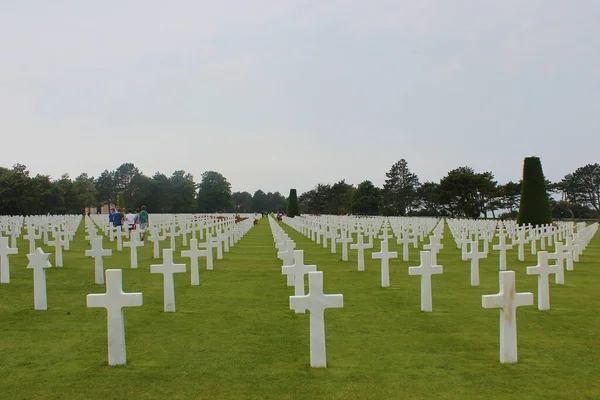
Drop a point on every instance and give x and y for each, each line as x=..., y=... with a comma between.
x=292, y=205
x=535, y=205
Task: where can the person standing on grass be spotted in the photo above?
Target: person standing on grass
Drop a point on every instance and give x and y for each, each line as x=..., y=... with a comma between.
x=117, y=219
x=111, y=216
x=131, y=219
x=143, y=218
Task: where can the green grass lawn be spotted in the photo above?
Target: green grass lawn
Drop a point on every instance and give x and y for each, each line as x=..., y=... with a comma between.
x=235, y=337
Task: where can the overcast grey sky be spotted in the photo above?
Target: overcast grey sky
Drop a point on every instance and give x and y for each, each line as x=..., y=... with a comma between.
x=281, y=94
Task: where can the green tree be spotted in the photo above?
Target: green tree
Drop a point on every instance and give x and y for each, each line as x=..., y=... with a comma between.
x=292, y=205
x=400, y=189
x=535, y=205
x=367, y=199
x=583, y=186
x=276, y=202
x=260, y=201
x=106, y=189
x=182, y=192
x=465, y=193
x=85, y=191
x=339, y=198
x=428, y=198
x=121, y=201
x=510, y=194
x=242, y=202
x=122, y=178
x=214, y=193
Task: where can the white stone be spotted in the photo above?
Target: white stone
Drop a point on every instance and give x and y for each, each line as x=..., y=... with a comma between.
x=57, y=243
x=287, y=256
x=317, y=302
x=133, y=244
x=167, y=268
x=507, y=300
x=344, y=240
x=5, y=251
x=114, y=300
x=193, y=253
x=298, y=270
x=97, y=252
x=502, y=246
x=521, y=241
x=384, y=255
x=425, y=270
x=156, y=238
x=542, y=270
x=474, y=255
x=209, y=252
x=38, y=261
x=361, y=246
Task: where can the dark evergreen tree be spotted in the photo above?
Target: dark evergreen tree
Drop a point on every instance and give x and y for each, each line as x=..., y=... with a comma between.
x=535, y=205
x=292, y=205
x=400, y=189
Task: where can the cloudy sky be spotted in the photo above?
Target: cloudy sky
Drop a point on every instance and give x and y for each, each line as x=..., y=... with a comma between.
x=277, y=94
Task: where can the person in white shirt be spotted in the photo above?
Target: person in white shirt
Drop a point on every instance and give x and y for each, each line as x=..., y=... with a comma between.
x=131, y=219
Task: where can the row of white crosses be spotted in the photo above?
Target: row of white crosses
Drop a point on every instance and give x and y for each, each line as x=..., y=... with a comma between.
x=315, y=300
x=115, y=299
x=507, y=299
x=427, y=268
x=406, y=230
x=60, y=227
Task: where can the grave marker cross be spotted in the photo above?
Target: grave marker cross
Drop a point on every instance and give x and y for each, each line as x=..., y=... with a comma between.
x=114, y=300
x=97, y=252
x=5, y=251
x=317, y=302
x=384, y=255
x=507, y=300
x=426, y=269
x=168, y=269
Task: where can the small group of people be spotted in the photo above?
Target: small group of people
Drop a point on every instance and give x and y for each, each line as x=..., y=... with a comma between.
x=133, y=219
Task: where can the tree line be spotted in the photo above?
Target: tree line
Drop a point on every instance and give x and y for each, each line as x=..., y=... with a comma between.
x=462, y=192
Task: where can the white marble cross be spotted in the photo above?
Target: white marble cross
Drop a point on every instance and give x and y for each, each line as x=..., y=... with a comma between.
x=172, y=234
x=521, y=240
x=361, y=246
x=426, y=269
x=333, y=235
x=404, y=239
x=5, y=251
x=344, y=240
x=298, y=270
x=58, y=255
x=114, y=300
x=507, y=300
x=384, y=255
x=31, y=237
x=317, y=302
x=97, y=252
x=156, y=238
x=287, y=256
x=168, y=269
x=560, y=255
x=434, y=246
x=542, y=270
x=38, y=261
x=133, y=244
x=502, y=246
x=209, y=244
x=474, y=255
x=119, y=235
x=193, y=253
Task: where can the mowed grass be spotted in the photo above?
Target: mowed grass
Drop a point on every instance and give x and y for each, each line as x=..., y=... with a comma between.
x=235, y=337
